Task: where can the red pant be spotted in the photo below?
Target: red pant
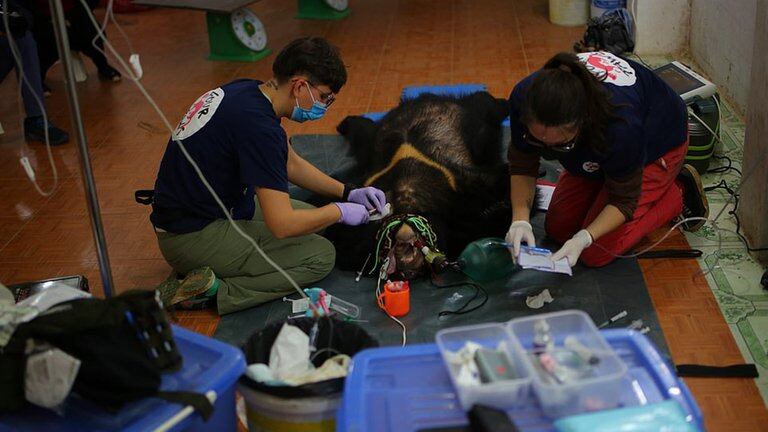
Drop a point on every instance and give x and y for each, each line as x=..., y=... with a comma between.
x=577, y=201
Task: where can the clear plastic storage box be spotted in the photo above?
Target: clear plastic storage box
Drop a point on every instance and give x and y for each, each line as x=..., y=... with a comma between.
x=598, y=391
x=500, y=394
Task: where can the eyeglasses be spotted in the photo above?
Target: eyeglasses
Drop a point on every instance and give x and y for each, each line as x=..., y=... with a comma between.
x=562, y=147
x=326, y=98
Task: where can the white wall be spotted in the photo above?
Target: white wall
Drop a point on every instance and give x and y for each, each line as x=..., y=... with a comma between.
x=722, y=40
x=662, y=26
x=754, y=195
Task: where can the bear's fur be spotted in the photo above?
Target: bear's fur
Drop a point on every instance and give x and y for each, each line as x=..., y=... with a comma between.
x=435, y=156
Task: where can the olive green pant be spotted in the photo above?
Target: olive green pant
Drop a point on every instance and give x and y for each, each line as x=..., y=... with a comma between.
x=245, y=277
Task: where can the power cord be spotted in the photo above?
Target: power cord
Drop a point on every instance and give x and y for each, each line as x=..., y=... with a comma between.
x=735, y=196
x=463, y=309
x=24, y=81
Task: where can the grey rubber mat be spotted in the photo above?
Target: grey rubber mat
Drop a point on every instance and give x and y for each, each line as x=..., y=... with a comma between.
x=601, y=293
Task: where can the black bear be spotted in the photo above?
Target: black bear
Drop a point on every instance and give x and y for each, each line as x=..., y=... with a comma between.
x=436, y=157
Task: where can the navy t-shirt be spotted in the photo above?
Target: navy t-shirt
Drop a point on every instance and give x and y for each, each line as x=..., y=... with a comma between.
x=653, y=119
x=234, y=135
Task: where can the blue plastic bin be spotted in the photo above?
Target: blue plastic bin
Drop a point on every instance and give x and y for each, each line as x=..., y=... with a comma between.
x=408, y=389
x=208, y=365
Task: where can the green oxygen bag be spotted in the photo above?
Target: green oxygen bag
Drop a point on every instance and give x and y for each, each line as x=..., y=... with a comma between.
x=486, y=259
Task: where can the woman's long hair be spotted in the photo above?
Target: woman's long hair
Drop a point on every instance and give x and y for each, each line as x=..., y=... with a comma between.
x=565, y=93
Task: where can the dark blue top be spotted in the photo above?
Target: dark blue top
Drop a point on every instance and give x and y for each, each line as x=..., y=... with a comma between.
x=653, y=119
x=234, y=135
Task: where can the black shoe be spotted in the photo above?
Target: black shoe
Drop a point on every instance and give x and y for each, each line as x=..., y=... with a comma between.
x=34, y=130
x=694, y=200
x=108, y=73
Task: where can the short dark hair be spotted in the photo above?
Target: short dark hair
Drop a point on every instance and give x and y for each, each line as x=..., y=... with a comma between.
x=565, y=92
x=314, y=57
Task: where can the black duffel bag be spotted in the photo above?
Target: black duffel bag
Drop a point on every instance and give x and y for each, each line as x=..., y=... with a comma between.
x=123, y=343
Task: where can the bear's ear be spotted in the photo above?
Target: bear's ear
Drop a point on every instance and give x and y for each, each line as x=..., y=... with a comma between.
x=351, y=125
x=502, y=108
x=483, y=102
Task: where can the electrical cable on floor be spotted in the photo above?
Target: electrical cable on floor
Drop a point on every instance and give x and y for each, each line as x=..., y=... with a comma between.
x=133, y=60
x=713, y=221
x=462, y=309
x=377, y=293
x=734, y=196
x=23, y=80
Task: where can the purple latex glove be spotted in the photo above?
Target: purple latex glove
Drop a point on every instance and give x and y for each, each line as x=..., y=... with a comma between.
x=370, y=197
x=352, y=214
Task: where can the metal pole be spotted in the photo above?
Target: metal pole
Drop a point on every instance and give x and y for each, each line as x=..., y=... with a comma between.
x=62, y=39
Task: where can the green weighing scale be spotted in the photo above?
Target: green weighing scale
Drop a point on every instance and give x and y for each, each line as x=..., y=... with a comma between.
x=238, y=36
x=235, y=33
x=323, y=9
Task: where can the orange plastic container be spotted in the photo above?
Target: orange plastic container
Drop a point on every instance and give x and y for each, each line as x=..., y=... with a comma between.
x=396, y=302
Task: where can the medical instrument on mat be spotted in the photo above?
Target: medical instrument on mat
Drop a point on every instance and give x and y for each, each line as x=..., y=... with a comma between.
x=318, y=303
x=434, y=257
x=375, y=215
x=645, y=330
x=360, y=272
x=635, y=325
x=613, y=319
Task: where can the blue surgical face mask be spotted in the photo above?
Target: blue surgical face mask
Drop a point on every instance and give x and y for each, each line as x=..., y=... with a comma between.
x=317, y=111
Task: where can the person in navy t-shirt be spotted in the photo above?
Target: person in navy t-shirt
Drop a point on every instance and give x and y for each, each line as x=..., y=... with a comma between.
x=621, y=134
x=233, y=133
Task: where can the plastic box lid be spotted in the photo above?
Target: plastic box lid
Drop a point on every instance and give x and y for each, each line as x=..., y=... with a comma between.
x=408, y=389
x=208, y=365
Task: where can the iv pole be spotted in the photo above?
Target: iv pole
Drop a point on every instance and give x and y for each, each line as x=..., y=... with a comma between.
x=62, y=40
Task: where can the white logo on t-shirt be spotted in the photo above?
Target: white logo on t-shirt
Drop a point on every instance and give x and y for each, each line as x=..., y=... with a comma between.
x=609, y=68
x=591, y=166
x=199, y=113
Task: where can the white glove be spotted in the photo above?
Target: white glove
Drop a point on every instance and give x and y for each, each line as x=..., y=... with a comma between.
x=573, y=248
x=519, y=231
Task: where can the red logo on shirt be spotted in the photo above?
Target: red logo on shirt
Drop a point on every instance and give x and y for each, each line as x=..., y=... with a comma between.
x=590, y=166
x=199, y=113
x=609, y=68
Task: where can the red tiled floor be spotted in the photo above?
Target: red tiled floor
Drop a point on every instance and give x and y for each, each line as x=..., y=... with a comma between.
x=386, y=44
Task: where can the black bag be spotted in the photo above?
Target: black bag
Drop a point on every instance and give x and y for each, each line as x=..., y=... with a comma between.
x=344, y=337
x=123, y=344
x=613, y=32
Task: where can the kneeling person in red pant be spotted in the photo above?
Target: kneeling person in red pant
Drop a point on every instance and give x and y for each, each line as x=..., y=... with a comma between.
x=621, y=134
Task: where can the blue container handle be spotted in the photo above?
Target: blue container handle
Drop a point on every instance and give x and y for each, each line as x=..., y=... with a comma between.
x=698, y=416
